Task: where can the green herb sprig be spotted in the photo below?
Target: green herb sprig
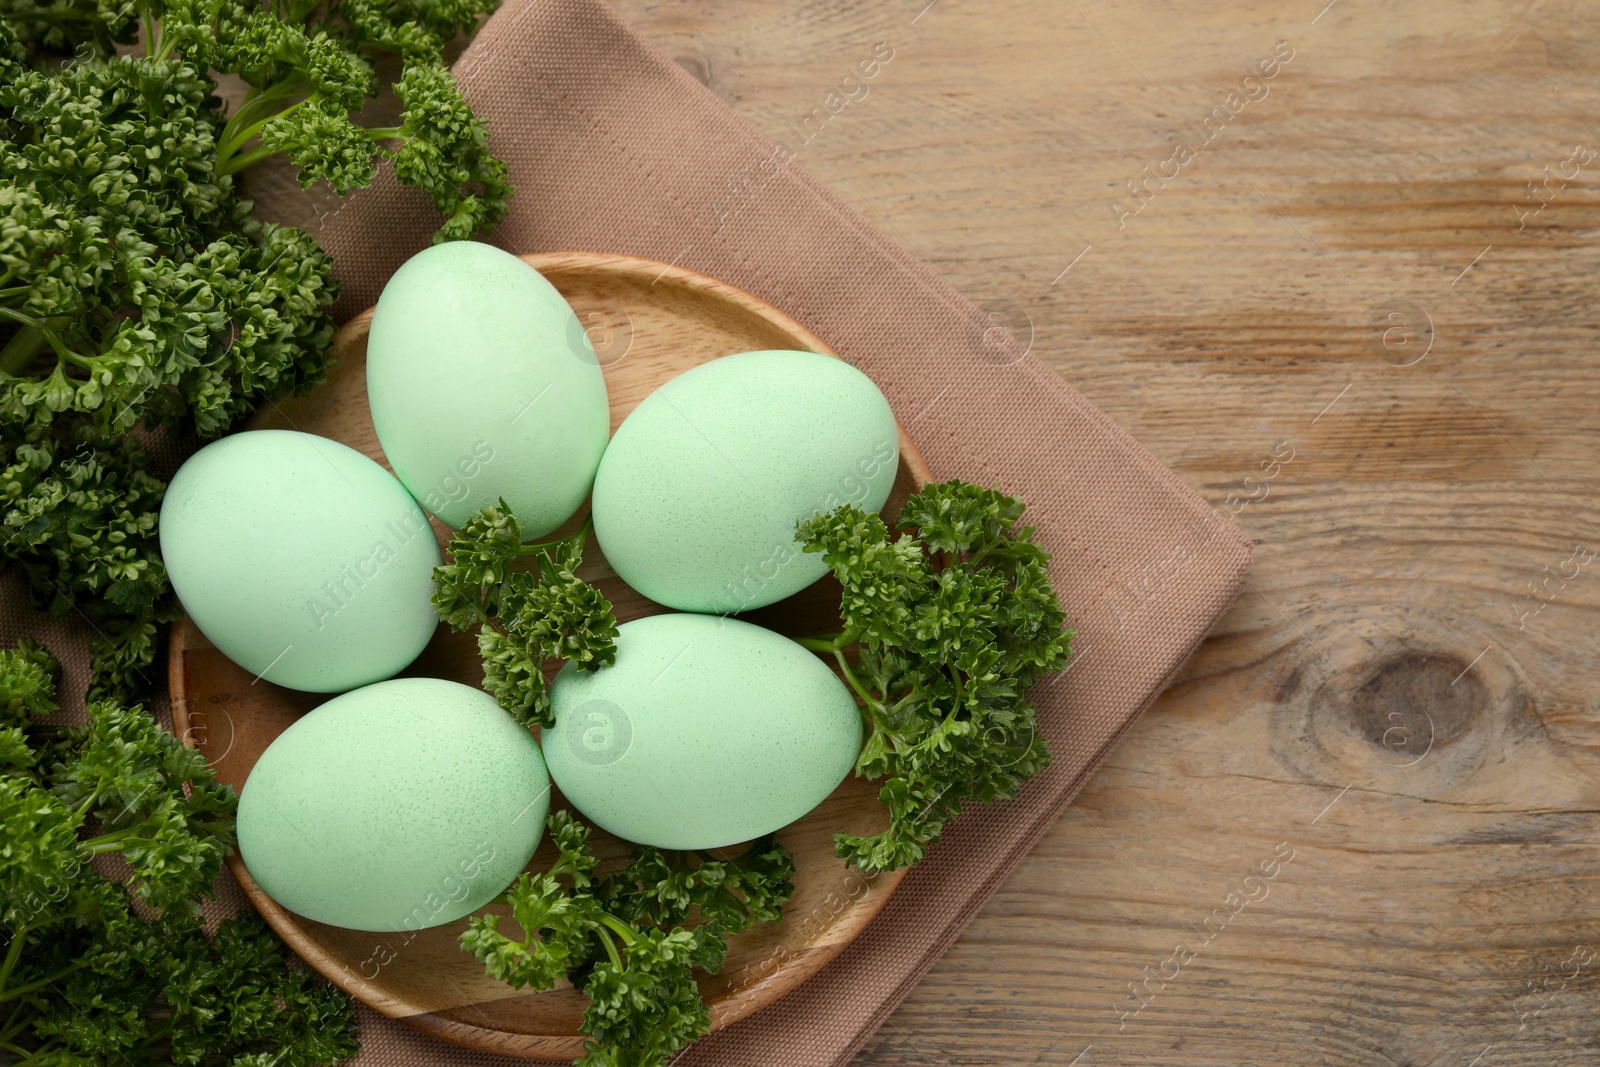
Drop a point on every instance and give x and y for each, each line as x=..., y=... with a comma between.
x=86, y=976
x=631, y=940
x=137, y=290
x=526, y=617
x=946, y=625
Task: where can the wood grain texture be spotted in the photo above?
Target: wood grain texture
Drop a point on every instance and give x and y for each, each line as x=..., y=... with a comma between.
x=1390, y=658
x=1351, y=269
x=648, y=322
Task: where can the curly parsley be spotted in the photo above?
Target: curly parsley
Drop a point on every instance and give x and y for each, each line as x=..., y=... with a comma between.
x=527, y=616
x=138, y=292
x=97, y=971
x=945, y=627
x=631, y=940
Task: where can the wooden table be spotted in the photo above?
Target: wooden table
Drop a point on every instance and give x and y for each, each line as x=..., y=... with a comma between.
x=1352, y=301
x=1345, y=316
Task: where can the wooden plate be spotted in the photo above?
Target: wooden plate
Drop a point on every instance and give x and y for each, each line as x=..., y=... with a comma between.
x=649, y=322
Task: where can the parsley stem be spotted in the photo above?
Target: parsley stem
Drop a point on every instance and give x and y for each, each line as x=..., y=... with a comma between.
x=12, y=955
x=245, y=159
x=31, y=1056
x=580, y=536
x=111, y=842
x=40, y=983
x=248, y=119
x=821, y=642
x=975, y=558
x=14, y=1025
x=854, y=682
x=155, y=47
x=88, y=802
x=13, y=361
x=622, y=929
x=21, y=349
x=242, y=136
x=616, y=925
x=833, y=644
x=611, y=951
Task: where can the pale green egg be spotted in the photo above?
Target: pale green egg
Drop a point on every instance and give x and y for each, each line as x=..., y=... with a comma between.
x=301, y=559
x=697, y=497
x=484, y=385
x=403, y=805
x=706, y=731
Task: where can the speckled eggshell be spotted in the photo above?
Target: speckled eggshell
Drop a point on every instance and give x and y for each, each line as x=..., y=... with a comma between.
x=399, y=806
x=302, y=560
x=483, y=385
x=706, y=731
x=697, y=496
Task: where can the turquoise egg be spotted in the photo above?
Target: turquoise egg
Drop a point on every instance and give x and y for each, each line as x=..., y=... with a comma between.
x=484, y=385
x=697, y=497
x=301, y=559
x=403, y=805
x=706, y=731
